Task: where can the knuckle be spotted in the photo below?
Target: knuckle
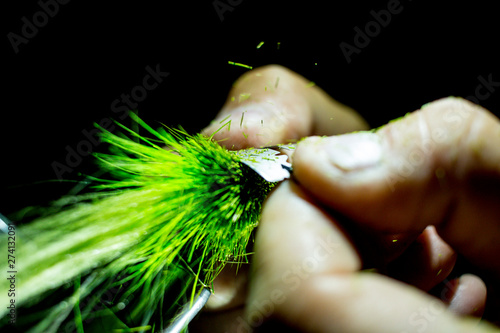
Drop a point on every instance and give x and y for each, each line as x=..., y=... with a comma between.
x=452, y=110
x=453, y=117
x=464, y=129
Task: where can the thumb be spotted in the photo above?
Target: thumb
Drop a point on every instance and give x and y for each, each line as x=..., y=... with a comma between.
x=438, y=166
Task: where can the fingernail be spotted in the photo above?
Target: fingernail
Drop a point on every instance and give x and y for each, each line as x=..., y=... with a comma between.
x=351, y=152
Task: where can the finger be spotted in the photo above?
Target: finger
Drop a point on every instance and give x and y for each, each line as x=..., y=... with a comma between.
x=427, y=262
x=465, y=295
x=372, y=303
x=438, y=166
x=272, y=105
x=305, y=273
x=295, y=242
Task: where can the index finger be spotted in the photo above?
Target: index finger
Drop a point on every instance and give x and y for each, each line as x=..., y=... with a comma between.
x=272, y=105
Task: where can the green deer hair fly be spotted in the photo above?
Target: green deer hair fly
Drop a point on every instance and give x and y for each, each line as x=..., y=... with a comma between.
x=161, y=224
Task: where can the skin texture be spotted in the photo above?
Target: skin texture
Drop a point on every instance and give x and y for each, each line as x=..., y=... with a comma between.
x=406, y=199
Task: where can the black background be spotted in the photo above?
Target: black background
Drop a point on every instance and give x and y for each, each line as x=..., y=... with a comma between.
x=89, y=53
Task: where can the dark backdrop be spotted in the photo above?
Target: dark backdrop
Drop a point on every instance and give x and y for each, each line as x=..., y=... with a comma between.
x=85, y=55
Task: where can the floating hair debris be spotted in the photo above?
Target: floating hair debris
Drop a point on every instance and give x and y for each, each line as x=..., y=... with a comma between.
x=242, y=116
x=239, y=64
x=277, y=82
x=222, y=140
x=243, y=97
x=223, y=120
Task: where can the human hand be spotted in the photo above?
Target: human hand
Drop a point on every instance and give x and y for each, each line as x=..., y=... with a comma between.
x=306, y=270
x=438, y=166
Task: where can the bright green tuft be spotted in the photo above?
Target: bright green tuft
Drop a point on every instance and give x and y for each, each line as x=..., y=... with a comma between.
x=173, y=211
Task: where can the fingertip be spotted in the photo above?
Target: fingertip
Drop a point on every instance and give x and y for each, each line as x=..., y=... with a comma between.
x=426, y=262
x=469, y=297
